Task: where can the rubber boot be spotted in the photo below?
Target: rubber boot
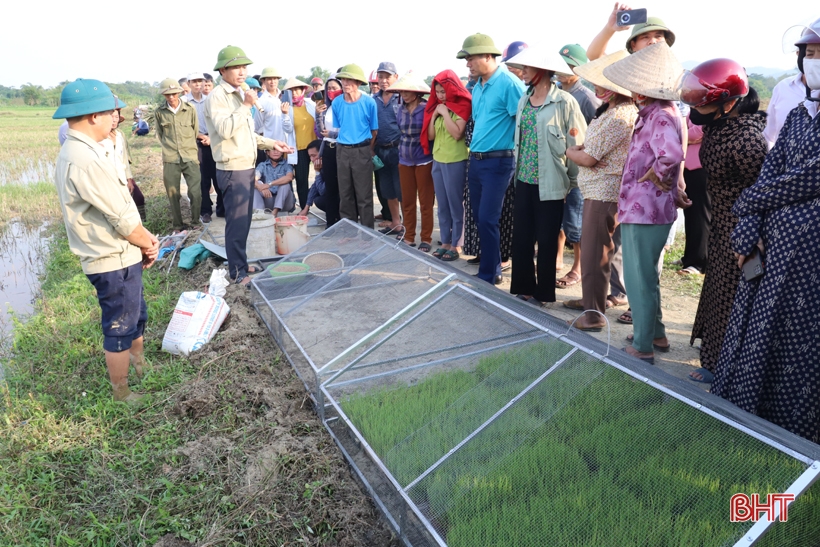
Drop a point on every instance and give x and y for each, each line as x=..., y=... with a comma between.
x=123, y=394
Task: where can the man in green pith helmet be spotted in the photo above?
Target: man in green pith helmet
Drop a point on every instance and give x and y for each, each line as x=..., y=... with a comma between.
x=355, y=115
x=103, y=227
x=177, y=128
x=234, y=144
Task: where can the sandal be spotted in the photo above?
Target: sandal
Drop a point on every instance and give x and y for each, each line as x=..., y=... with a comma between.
x=424, y=247
x=615, y=302
x=650, y=360
x=254, y=269
x=574, y=304
x=568, y=280
x=663, y=349
x=706, y=376
x=243, y=281
x=625, y=317
x=450, y=255
x=690, y=270
x=439, y=253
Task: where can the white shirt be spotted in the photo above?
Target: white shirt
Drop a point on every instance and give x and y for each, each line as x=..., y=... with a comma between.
x=273, y=124
x=812, y=106
x=172, y=109
x=787, y=94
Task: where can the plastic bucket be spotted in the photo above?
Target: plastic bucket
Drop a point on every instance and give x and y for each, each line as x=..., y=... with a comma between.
x=291, y=233
x=260, y=244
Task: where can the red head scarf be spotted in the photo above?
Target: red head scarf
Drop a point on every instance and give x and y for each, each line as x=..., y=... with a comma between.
x=459, y=101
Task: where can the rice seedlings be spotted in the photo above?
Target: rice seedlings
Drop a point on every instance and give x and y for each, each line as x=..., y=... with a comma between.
x=589, y=457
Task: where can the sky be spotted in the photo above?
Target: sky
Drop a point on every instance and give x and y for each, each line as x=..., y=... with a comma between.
x=151, y=40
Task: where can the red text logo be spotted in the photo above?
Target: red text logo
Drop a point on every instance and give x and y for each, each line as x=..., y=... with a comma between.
x=744, y=508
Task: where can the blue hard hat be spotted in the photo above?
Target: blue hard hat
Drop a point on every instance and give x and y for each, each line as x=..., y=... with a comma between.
x=253, y=82
x=512, y=50
x=82, y=97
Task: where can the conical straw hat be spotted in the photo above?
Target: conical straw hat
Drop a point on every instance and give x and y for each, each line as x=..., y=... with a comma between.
x=294, y=82
x=653, y=72
x=539, y=57
x=410, y=82
x=593, y=72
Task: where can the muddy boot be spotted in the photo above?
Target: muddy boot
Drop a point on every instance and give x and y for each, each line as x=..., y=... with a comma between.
x=124, y=394
x=141, y=367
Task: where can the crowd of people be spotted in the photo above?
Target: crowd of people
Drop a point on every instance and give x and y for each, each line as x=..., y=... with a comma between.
x=538, y=148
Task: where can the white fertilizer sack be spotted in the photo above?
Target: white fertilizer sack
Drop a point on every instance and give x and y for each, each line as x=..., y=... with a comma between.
x=196, y=319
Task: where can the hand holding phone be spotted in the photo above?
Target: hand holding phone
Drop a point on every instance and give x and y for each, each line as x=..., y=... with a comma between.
x=753, y=265
x=625, y=18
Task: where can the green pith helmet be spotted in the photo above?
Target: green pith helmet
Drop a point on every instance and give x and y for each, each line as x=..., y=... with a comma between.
x=231, y=56
x=477, y=44
x=652, y=23
x=352, y=72
x=269, y=72
x=169, y=86
x=574, y=55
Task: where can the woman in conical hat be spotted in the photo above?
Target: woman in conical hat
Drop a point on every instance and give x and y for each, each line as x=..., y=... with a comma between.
x=601, y=163
x=649, y=188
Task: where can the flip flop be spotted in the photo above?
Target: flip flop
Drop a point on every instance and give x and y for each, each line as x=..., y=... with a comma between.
x=650, y=360
x=254, y=269
x=424, y=247
x=615, y=302
x=567, y=281
x=706, y=377
x=574, y=304
x=663, y=349
x=585, y=329
x=384, y=223
x=450, y=256
x=625, y=317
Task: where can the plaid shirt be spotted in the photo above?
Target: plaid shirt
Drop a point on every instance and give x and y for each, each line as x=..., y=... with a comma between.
x=410, y=150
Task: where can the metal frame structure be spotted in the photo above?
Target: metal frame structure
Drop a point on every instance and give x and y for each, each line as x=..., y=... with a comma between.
x=393, y=499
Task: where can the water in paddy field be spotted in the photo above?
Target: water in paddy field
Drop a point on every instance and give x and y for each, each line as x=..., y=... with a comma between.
x=25, y=171
x=22, y=259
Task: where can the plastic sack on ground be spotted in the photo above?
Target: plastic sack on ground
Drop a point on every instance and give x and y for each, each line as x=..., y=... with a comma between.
x=218, y=284
x=196, y=319
x=193, y=255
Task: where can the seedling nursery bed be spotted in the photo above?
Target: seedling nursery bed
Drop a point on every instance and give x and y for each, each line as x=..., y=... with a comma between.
x=474, y=419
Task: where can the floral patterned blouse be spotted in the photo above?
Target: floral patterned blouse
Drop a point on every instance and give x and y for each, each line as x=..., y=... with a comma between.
x=528, y=149
x=607, y=141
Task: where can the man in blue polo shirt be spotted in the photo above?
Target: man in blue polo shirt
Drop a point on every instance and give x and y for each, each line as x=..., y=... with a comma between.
x=356, y=118
x=491, y=164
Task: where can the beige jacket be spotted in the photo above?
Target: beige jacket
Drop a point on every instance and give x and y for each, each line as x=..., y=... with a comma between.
x=230, y=126
x=97, y=208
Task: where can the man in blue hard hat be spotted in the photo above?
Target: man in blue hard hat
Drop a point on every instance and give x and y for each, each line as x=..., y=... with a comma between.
x=104, y=228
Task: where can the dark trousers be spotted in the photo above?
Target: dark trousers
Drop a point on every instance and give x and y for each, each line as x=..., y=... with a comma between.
x=354, y=168
x=488, y=180
x=387, y=175
x=330, y=176
x=598, y=227
x=697, y=219
x=237, y=193
x=302, y=174
x=535, y=221
x=207, y=170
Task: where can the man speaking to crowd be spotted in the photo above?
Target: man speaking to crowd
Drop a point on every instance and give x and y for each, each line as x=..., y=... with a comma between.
x=234, y=144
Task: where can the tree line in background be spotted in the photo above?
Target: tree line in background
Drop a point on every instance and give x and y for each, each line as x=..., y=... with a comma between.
x=136, y=93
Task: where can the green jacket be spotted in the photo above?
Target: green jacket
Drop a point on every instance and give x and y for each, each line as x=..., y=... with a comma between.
x=560, y=124
x=177, y=132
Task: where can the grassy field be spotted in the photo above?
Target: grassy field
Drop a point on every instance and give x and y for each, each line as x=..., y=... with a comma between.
x=28, y=149
x=224, y=452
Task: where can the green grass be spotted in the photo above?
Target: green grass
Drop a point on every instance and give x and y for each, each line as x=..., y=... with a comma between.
x=590, y=457
x=28, y=150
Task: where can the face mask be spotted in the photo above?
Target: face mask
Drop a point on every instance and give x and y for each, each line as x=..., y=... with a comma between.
x=811, y=69
x=298, y=101
x=606, y=96
x=702, y=119
x=333, y=94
